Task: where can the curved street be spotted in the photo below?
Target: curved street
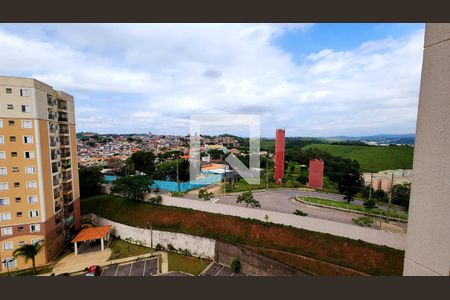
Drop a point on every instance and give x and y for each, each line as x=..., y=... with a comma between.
x=282, y=200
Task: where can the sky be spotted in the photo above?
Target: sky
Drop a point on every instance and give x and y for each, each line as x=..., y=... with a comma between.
x=310, y=79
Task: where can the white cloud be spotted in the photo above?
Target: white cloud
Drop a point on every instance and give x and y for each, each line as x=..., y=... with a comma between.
x=141, y=77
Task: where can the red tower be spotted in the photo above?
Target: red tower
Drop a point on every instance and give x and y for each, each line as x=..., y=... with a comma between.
x=279, y=157
x=315, y=179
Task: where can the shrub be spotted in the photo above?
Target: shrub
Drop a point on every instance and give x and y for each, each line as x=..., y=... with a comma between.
x=155, y=200
x=159, y=247
x=363, y=221
x=170, y=247
x=298, y=212
x=235, y=265
x=177, y=194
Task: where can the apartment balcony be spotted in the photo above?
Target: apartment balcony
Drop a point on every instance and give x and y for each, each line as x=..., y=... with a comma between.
x=63, y=132
x=58, y=217
x=62, y=105
x=65, y=154
x=67, y=199
x=69, y=220
x=63, y=119
x=67, y=177
x=66, y=166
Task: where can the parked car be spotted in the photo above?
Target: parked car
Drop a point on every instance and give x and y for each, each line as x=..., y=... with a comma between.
x=93, y=271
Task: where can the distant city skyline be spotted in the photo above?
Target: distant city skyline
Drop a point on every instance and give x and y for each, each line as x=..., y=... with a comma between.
x=314, y=80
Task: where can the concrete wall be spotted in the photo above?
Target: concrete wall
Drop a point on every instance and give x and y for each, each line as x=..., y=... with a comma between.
x=198, y=246
x=428, y=238
x=370, y=235
x=252, y=263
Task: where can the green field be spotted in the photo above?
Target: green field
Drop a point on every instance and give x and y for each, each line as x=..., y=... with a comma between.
x=372, y=159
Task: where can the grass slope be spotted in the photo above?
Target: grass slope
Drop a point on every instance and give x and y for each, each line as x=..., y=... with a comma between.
x=372, y=159
x=187, y=264
x=358, y=255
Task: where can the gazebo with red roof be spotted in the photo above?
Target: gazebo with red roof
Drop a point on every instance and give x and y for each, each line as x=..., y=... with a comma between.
x=90, y=234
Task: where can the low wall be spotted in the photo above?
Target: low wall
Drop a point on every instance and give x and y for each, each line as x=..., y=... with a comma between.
x=198, y=246
x=253, y=263
x=355, y=232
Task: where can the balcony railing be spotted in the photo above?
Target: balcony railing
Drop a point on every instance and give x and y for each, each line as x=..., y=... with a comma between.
x=69, y=220
x=63, y=119
x=67, y=199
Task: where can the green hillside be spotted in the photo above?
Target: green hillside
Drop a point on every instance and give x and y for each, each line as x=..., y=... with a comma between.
x=372, y=159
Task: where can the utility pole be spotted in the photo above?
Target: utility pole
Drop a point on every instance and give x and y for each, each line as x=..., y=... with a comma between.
x=371, y=184
x=390, y=198
x=178, y=179
x=151, y=234
x=267, y=176
x=224, y=178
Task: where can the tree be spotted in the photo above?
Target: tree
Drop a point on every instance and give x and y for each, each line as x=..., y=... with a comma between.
x=369, y=204
x=144, y=161
x=205, y=195
x=114, y=163
x=248, y=199
x=401, y=194
x=128, y=167
x=380, y=195
x=29, y=251
x=91, y=179
x=132, y=187
x=235, y=265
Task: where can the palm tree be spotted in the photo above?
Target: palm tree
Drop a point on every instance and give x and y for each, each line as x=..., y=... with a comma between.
x=29, y=251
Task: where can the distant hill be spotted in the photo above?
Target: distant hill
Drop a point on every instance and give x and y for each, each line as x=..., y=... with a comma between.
x=372, y=159
x=380, y=139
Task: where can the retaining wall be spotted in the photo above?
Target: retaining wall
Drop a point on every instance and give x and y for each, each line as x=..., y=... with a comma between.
x=253, y=263
x=198, y=246
x=374, y=236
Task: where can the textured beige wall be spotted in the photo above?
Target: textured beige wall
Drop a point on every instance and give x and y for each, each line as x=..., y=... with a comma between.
x=428, y=238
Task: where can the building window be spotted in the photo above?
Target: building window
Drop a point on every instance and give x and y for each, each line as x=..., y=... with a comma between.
x=32, y=200
x=13, y=154
x=4, y=201
x=34, y=213
x=20, y=243
x=9, y=263
x=7, y=231
x=26, y=108
x=8, y=246
x=2, y=154
x=3, y=171
x=35, y=241
x=3, y=186
x=27, y=124
x=5, y=216
x=11, y=123
x=35, y=228
x=24, y=92
x=9, y=90
x=18, y=199
x=28, y=140
x=2, y=139
x=1, y=123
x=20, y=228
x=9, y=106
x=15, y=169
x=29, y=154
x=17, y=184
x=12, y=138
x=31, y=185
x=19, y=214
x=30, y=170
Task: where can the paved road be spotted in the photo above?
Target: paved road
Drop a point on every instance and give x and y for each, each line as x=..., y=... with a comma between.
x=281, y=200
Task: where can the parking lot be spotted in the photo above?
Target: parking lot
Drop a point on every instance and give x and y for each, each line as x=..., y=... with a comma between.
x=220, y=270
x=145, y=267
